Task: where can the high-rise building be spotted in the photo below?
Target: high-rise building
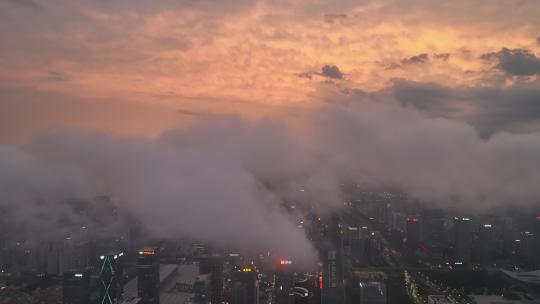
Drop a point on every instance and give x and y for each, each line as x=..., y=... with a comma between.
x=485, y=244
x=213, y=266
x=333, y=291
x=245, y=287
x=53, y=257
x=284, y=282
x=462, y=240
x=110, y=278
x=148, y=275
x=76, y=287
x=414, y=231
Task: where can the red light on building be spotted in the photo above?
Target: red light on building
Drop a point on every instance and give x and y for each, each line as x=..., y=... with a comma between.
x=285, y=262
x=538, y=218
x=320, y=280
x=413, y=220
x=148, y=252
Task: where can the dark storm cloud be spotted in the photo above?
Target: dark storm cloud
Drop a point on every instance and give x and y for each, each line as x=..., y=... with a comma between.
x=538, y=40
x=515, y=62
x=420, y=58
x=331, y=71
x=490, y=110
x=413, y=60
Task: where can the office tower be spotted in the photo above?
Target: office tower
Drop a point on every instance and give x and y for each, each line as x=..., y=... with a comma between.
x=213, y=266
x=245, y=287
x=462, y=240
x=148, y=275
x=485, y=244
x=76, y=287
x=53, y=257
x=414, y=232
x=333, y=288
x=201, y=289
x=110, y=278
x=284, y=282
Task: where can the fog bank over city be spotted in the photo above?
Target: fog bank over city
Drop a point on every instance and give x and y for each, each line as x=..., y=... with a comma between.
x=223, y=173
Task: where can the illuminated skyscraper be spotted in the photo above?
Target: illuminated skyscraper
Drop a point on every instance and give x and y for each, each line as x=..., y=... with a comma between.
x=76, y=287
x=148, y=275
x=110, y=279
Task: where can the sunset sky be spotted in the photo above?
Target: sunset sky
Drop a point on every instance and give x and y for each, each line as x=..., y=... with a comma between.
x=192, y=114
x=139, y=67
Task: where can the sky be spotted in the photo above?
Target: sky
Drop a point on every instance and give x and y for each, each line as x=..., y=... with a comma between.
x=203, y=116
x=141, y=67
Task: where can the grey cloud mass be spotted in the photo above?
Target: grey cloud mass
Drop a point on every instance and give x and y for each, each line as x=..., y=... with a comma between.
x=515, y=62
x=331, y=71
x=420, y=58
x=490, y=110
x=222, y=173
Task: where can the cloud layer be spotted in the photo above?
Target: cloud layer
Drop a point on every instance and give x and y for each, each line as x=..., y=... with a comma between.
x=223, y=179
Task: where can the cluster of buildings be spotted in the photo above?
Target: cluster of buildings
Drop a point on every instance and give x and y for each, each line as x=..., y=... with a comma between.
x=509, y=240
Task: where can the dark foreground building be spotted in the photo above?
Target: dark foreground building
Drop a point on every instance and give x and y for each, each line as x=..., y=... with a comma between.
x=110, y=278
x=245, y=287
x=212, y=265
x=148, y=275
x=76, y=287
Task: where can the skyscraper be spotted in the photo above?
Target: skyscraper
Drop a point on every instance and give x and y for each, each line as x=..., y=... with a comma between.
x=76, y=287
x=333, y=291
x=245, y=287
x=414, y=232
x=462, y=239
x=148, y=275
x=485, y=244
x=213, y=266
x=110, y=278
